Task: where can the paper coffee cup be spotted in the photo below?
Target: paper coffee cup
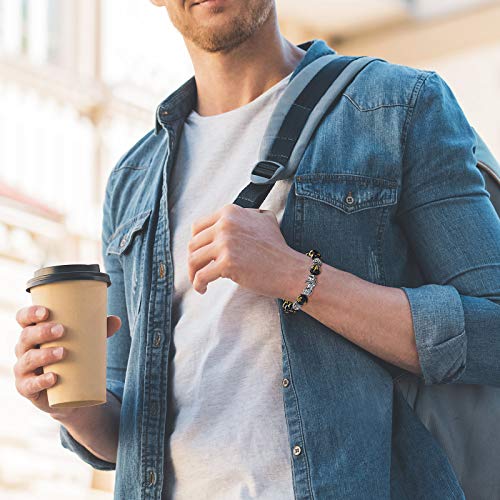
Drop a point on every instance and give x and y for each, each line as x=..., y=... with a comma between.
x=76, y=297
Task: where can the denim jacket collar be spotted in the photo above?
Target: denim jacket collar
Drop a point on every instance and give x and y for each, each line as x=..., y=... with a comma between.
x=180, y=103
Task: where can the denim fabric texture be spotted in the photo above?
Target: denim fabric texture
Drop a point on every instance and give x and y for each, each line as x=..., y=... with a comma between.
x=421, y=220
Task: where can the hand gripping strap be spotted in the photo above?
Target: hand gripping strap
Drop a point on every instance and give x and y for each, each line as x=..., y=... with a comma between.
x=296, y=115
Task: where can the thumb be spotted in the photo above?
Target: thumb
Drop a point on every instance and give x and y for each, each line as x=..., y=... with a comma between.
x=114, y=324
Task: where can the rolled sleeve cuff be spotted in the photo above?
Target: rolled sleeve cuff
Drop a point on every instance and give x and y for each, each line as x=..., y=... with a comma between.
x=439, y=328
x=71, y=444
x=115, y=387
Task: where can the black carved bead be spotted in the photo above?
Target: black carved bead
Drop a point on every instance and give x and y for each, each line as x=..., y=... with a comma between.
x=313, y=254
x=315, y=269
x=302, y=299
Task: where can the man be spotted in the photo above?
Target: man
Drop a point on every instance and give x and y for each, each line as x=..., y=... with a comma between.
x=215, y=393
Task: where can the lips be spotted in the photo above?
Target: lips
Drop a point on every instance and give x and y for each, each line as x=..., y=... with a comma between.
x=203, y=1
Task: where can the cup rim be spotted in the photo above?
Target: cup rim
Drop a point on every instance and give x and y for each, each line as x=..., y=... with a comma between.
x=67, y=272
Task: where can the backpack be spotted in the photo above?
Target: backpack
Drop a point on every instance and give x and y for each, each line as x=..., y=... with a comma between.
x=463, y=418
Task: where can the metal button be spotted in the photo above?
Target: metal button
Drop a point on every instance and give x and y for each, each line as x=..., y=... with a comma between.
x=157, y=339
x=152, y=477
x=123, y=241
x=297, y=450
x=285, y=382
x=349, y=199
x=162, y=270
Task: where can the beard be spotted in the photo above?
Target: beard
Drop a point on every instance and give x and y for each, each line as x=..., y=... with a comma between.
x=223, y=37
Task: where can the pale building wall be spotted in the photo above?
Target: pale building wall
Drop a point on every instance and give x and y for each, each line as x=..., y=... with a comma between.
x=474, y=76
x=58, y=147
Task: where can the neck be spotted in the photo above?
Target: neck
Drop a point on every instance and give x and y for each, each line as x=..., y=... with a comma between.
x=226, y=81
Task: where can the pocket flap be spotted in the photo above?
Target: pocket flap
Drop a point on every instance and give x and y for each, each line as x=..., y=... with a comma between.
x=122, y=237
x=347, y=192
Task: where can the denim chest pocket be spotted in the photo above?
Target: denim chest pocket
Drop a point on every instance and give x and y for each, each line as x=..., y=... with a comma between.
x=127, y=243
x=344, y=216
x=349, y=193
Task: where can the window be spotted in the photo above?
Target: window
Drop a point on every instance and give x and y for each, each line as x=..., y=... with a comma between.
x=2, y=28
x=24, y=26
x=431, y=8
x=54, y=36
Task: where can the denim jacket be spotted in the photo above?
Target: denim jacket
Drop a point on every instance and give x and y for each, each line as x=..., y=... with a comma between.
x=421, y=220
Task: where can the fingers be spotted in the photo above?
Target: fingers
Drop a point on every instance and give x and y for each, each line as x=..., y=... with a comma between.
x=33, y=335
x=203, y=223
x=31, y=315
x=209, y=220
x=202, y=238
x=31, y=387
x=206, y=275
x=37, y=358
x=114, y=324
x=201, y=258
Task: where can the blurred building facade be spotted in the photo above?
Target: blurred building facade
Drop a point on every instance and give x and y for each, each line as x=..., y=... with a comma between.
x=79, y=83
x=460, y=39
x=75, y=92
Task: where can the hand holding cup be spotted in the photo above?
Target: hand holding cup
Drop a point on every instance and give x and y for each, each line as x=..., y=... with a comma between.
x=32, y=369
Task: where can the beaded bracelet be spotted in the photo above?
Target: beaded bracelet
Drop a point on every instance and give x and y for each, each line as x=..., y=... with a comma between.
x=311, y=281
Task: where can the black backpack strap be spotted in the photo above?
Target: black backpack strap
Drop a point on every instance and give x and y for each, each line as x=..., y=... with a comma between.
x=299, y=119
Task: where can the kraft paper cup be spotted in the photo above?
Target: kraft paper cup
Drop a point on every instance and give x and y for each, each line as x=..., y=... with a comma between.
x=76, y=296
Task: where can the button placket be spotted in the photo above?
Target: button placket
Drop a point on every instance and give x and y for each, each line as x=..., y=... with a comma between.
x=157, y=332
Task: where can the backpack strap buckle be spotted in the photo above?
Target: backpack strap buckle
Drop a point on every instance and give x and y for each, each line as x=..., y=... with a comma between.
x=266, y=172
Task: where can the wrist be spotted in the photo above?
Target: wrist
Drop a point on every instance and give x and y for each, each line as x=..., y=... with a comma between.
x=71, y=416
x=65, y=415
x=297, y=271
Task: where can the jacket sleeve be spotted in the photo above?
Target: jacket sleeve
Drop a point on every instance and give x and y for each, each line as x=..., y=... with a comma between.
x=118, y=346
x=448, y=217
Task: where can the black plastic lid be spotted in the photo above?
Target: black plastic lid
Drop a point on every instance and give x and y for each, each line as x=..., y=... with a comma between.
x=66, y=272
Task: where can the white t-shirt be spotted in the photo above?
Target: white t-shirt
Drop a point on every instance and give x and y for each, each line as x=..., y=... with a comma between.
x=229, y=438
